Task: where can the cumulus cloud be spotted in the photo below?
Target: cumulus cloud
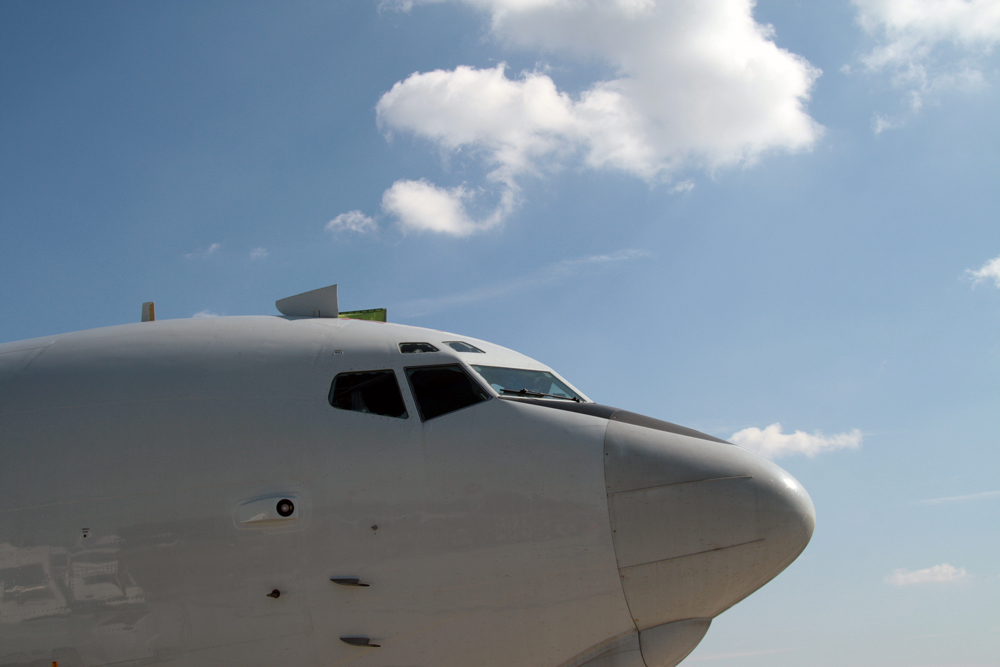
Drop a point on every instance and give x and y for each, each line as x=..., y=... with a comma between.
x=423, y=206
x=205, y=313
x=695, y=85
x=988, y=271
x=352, y=221
x=771, y=443
x=258, y=253
x=930, y=45
x=203, y=253
x=939, y=574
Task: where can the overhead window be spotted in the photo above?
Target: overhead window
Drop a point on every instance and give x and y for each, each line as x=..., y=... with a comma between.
x=416, y=348
x=375, y=392
x=439, y=390
x=460, y=346
x=522, y=382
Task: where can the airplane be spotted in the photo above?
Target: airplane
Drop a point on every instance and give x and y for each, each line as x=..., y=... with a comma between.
x=312, y=489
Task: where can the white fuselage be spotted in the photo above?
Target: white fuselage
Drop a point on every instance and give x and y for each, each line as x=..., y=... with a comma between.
x=141, y=465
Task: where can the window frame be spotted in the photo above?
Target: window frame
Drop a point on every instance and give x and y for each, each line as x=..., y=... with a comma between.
x=399, y=346
x=576, y=392
x=490, y=394
x=399, y=388
x=474, y=350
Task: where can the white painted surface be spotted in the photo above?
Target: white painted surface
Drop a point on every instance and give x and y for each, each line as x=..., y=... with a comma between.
x=322, y=302
x=142, y=463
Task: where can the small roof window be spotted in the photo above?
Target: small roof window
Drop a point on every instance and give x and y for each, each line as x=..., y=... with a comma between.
x=416, y=348
x=460, y=346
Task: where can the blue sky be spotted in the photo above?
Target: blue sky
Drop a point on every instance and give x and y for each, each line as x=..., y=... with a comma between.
x=724, y=215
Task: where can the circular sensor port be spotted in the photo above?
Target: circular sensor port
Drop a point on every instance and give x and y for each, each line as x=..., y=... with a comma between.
x=285, y=508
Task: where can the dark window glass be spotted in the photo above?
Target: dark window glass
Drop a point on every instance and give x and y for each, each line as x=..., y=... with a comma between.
x=376, y=392
x=459, y=346
x=439, y=390
x=416, y=348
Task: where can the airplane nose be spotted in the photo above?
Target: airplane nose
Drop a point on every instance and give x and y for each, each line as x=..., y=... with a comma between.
x=699, y=524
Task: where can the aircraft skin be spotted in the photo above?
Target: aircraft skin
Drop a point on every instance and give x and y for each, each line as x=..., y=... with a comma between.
x=142, y=467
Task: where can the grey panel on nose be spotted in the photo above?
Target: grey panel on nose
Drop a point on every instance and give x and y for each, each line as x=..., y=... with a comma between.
x=699, y=585
x=681, y=519
x=661, y=646
x=639, y=458
x=618, y=652
x=697, y=525
x=666, y=645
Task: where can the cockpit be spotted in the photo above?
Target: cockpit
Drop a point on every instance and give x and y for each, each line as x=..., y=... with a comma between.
x=439, y=389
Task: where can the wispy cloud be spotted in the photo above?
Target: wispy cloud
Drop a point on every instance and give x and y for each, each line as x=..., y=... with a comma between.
x=881, y=123
x=682, y=187
x=553, y=273
x=771, y=443
x=258, y=253
x=958, y=499
x=939, y=574
x=205, y=313
x=928, y=46
x=352, y=221
x=988, y=271
x=203, y=253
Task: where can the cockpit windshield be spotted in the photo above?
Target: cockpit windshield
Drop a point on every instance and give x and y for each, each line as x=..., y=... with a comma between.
x=521, y=382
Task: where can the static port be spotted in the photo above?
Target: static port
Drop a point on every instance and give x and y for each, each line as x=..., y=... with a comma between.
x=285, y=507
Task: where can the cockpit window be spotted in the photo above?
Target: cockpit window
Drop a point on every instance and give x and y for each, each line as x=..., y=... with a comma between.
x=460, y=346
x=416, y=348
x=521, y=382
x=439, y=390
x=375, y=392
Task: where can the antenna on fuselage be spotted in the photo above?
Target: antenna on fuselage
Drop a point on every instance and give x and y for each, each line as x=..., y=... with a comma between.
x=320, y=302
x=148, y=312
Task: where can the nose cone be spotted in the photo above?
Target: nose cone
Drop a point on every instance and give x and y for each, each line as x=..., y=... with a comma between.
x=699, y=524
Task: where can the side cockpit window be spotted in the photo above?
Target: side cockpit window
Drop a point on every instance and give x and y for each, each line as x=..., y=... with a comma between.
x=439, y=390
x=375, y=392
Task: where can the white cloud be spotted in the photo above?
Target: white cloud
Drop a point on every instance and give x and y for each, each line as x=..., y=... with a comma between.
x=352, y=221
x=696, y=85
x=422, y=206
x=988, y=271
x=258, y=253
x=553, y=273
x=772, y=443
x=204, y=253
x=205, y=313
x=939, y=574
x=927, y=46
x=881, y=123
